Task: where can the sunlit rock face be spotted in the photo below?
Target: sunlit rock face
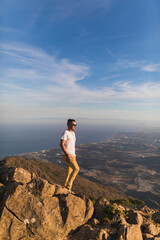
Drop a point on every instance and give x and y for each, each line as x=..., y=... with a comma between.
x=31, y=208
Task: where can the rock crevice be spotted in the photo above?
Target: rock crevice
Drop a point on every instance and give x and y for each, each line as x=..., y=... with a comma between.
x=13, y=213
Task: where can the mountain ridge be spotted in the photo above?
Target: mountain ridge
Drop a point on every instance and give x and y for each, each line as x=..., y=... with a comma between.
x=56, y=174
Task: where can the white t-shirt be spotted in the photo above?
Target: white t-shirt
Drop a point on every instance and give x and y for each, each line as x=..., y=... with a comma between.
x=70, y=139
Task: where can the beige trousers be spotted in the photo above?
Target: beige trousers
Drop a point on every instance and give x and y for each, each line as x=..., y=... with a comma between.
x=71, y=171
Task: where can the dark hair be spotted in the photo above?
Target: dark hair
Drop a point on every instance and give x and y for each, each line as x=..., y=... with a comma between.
x=70, y=120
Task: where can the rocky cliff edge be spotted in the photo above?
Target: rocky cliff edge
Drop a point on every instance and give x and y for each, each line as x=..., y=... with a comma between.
x=33, y=209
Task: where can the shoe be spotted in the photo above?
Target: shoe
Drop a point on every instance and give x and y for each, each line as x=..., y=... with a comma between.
x=69, y=190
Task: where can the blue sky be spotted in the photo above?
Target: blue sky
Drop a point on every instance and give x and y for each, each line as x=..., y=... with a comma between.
x=97, y=59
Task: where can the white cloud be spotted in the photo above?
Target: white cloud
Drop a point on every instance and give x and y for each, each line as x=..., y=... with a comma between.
x=36, y=72
x=38, y=80
x=109, y=77
x=140, y=65
x=151, y=68
x=126, y=64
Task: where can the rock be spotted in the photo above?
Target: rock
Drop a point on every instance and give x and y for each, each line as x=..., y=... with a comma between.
x=21, y=175
x=156, y=217
x=120, y=207
x=103, y=235
x=147, y=236
x=87, y=232
x=100, y=206
x=14, y=174
x=95, y=221
x=121, y=220
x=129, y=232
x=41, y=187
x=152, y=229
x=2, y=190
x=61, y=190
x=147, y=210
x=39, y=210
x=134, y=217
x=10, y=226
x=134, y=232
x=121, y=232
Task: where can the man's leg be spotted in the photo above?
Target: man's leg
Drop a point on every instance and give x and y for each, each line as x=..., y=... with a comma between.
x=68, y=170
x=75, y=169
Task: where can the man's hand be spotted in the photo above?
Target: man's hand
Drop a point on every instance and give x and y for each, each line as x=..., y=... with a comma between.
x=68, y=158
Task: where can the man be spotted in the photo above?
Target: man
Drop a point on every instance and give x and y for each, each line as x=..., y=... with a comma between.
x=67, y=144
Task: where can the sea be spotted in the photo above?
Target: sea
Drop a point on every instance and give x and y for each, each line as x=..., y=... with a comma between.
x=25, y=138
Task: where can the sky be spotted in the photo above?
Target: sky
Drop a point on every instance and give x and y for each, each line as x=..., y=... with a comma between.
x=95, y=59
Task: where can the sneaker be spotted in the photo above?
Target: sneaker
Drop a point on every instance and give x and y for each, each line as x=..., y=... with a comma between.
x=69, y=190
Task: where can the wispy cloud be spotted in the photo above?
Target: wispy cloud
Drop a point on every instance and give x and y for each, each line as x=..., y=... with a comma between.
x=8, y=29
x=109, y=77
x=36, y=76
x=110, y=52
x=127, y=64
x=151, y=68
x=141, y=65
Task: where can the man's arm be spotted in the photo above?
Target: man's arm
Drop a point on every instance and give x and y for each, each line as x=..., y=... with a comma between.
x=62, y=144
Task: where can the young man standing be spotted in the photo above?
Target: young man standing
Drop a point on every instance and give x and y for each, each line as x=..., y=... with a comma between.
x=67, y=144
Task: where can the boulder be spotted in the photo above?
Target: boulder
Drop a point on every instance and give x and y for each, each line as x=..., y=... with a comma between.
x=152, y=229
x=129, y=232
x=39, y=210
x=147, y=236
x=134, y=217
x=11, y=174
x=156, y=217
x=87, y=232
x=100, y=207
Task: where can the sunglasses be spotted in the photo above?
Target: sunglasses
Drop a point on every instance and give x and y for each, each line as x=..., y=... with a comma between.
x=74, y=125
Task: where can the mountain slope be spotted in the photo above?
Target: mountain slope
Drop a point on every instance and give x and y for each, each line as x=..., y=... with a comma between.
x=56, y=174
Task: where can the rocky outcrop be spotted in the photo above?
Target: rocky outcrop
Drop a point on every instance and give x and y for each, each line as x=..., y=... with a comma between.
x=31, y=208
x=117, y=222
